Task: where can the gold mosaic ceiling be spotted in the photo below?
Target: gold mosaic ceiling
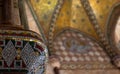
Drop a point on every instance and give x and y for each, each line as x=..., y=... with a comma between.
x=72, y=14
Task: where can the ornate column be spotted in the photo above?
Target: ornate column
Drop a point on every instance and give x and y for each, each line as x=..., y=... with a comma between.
x=21, y=51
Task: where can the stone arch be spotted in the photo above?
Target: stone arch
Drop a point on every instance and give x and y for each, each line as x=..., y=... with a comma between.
x=111, y=25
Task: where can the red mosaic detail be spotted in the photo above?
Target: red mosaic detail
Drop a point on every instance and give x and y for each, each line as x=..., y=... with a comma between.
x=19, y=44
x=38, y=47
x=12, y=65
x=23, y=64
x=2, y=43
x=5, y=64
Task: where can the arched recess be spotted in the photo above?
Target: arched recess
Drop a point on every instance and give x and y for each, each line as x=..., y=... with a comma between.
x=113, y=32
x=113, y=28
x=76, y=50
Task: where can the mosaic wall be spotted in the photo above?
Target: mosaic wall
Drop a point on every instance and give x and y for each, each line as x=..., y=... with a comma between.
x=22, y=51
x=77, y=51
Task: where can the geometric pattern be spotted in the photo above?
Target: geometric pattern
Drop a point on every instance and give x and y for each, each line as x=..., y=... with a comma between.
x=18, y=43
x=9, y=53
x=20, y=34
x=38, y=64
x=30, y=58
x=76, y=49
x=28, y=55
x=22, y=50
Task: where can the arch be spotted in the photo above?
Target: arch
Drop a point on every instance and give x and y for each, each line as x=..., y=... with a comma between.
x=111, y=25
x=76, y=50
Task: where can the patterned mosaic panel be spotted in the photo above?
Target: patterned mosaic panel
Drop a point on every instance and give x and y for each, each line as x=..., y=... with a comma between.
x=20, y=51
x=75, y=50
x=28, y=55
x=9, y=53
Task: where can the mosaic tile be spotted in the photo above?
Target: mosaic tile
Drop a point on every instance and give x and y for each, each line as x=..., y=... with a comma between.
x=73, y=47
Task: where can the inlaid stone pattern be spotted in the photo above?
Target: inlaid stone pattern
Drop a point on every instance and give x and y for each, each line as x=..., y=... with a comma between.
x=21, y=54
x=9, y=53
x=22, y=50
x=28, y=55
x=74, y=47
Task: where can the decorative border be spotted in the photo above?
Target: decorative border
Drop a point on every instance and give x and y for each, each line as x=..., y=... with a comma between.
x=77, y=31
x=111, y=23
x=17, y=38
x=110, y=32
x=111, y=52
x=52, y=23
x=20, y=33
x=88, y=66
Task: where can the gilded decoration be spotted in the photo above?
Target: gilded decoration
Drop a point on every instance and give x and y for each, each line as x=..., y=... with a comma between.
x=88, y=16
x=73, y=14
x=102, y=9
x=81, y=33
x=44, y=10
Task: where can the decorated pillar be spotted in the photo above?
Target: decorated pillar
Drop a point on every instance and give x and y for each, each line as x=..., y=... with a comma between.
x=21, y=51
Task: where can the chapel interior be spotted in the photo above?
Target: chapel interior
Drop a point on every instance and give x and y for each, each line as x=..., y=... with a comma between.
x=59, y=36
